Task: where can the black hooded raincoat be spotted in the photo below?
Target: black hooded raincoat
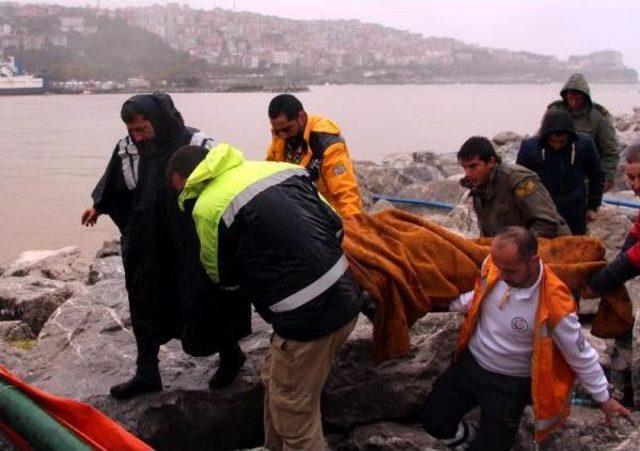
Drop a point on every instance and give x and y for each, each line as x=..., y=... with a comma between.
x=170, y=295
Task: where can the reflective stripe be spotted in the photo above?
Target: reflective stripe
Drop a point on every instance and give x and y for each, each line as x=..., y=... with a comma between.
x=459, y=435
x=313, y=290
x=251, y=191
x=546, y=423
x=128, y=153
x=202, y=140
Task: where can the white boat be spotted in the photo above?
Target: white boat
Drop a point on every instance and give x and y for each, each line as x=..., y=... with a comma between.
x=12, y=82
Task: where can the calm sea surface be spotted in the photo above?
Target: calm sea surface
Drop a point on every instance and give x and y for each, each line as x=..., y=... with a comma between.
x=54, y=148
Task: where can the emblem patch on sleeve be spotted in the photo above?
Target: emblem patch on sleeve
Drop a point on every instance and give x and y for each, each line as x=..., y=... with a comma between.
x=526, y=189
x=339, y=169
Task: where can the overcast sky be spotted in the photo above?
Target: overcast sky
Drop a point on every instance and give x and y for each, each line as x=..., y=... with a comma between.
x=558, y=27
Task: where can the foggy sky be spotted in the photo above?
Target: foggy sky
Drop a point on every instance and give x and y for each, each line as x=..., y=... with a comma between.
x=560, y=27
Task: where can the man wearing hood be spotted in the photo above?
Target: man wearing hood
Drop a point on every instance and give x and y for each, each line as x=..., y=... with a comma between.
x=592, y=119
x=169, y=293
x=506, y=194
x=315, y=143
x=569, y=167
x=263, y=225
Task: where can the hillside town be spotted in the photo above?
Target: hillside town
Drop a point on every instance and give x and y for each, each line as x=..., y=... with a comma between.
x=233, y=44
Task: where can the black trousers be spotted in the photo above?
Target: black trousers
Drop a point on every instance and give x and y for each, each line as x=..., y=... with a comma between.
x=465, y=385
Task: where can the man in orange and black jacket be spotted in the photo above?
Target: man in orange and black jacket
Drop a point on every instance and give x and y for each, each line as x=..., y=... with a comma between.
x=315, y=143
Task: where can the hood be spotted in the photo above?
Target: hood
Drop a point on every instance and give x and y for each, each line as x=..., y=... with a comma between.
x=166, y=119
x=220, y=159
x=576, y=82
x=557, y=121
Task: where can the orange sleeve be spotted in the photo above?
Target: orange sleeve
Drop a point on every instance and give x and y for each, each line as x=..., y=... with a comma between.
x=340, y=179
x=271, y=151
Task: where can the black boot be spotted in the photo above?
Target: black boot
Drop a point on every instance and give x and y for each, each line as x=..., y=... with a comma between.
x=231, y=360
x=147, y=378
x=137, y=385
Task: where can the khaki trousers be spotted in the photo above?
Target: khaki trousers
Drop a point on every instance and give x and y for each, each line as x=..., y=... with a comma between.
x=293, y=375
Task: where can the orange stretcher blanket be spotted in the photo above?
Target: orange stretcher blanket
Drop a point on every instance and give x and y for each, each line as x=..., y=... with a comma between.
x=95, y=428
x=412, y=266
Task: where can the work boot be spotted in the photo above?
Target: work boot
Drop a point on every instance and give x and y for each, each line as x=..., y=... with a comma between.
x=137, y=385
x=231, y=361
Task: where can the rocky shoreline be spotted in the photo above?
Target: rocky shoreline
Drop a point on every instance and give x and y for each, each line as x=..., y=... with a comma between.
x=65, y=327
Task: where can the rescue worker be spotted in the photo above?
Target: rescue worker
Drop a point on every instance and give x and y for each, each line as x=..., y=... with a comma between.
x=626, y=265
x=592, y=119
x=170, y=295
x=263, y=226
x=506, y=195
x=317, y=144
x=520, y=344
x=569, y=167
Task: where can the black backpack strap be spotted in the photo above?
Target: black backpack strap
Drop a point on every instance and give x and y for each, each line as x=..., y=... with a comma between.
x=319, y=142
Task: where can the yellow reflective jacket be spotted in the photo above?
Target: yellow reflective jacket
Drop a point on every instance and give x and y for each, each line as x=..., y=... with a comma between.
x=336, y=177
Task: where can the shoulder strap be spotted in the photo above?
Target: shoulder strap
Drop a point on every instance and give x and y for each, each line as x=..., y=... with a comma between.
x=319, y=142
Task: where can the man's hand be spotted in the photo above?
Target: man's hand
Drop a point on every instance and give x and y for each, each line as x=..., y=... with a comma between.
x=612, y=408
x=591, y=215
x=608, y=184
x=89, y=217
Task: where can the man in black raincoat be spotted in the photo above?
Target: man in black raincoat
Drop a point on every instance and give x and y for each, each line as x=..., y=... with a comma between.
x=170, y=295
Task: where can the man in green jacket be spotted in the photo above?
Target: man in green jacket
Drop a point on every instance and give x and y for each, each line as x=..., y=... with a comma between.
x=592, y=119
x=263, y=226
x=506, y=195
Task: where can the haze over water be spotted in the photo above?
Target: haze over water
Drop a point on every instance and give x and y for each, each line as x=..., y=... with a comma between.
x=54, y=148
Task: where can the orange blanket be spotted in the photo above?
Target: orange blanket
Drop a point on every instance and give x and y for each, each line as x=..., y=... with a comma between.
x=96, y=429
x=412, y=266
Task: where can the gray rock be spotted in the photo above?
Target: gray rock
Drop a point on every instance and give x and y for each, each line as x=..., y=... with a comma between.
x=392, y=390
x=6, y=326
x=380, y=179
x=31, y=299
x=15, y=331
x=633, y=442
x=386, y=436
x=612, y=226
x=109, y=248
x=66, y=264
x=503, y=138
x=448, y=191
x=106, y=268
x=584, y=429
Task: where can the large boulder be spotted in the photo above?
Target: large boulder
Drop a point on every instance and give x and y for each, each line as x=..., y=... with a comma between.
x=66, y=264
x=109, y=267
x=612, y=227
x=31, y=299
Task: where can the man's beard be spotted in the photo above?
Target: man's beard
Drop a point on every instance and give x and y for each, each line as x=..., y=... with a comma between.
x=296, y=141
